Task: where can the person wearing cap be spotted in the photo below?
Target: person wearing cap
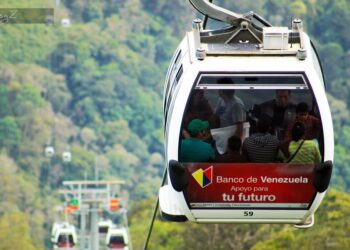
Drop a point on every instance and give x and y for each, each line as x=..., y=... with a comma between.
x=194, y=148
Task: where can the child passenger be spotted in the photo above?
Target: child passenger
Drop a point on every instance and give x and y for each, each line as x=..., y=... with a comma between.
x=233, y=153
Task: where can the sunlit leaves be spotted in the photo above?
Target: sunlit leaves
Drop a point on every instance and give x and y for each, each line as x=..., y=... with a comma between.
x=82, y=164
x=122, y=162
x=297, y=8
x=165, y=235
x=114, y=132
x=14, y=232
x=88, y=136
x=329, y=232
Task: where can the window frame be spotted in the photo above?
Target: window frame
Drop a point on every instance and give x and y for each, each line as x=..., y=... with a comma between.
x=170, y=74
x=314, y=106
x=251, y=86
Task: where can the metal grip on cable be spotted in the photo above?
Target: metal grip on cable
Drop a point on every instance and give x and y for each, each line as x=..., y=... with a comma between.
x=216, y=12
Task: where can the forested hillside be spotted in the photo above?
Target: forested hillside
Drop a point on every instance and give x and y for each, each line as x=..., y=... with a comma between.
x=95, y=88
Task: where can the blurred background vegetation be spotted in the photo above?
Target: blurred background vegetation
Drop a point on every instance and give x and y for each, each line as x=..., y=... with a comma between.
x=95, y=88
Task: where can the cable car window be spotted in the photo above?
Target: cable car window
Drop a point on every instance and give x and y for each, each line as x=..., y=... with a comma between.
x=173, y=87
x=252, y=139
x=251, y=81
x=65, y=238
x=179, y=74
x=117, y=239
x=170, y=73
x=173, y=64
x=103, y=230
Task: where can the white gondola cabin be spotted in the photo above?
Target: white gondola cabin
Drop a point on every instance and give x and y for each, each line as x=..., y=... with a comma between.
x=65, y=22
x=63, y=236
x=49, y=151
x=104, y=226
x=117, y=238
x=66, y=156
x=271, y=72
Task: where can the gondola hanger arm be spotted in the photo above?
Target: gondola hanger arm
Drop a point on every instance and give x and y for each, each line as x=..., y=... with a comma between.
x=218, y=13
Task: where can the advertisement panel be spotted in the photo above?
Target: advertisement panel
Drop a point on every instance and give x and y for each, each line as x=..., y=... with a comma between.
x=250, y=185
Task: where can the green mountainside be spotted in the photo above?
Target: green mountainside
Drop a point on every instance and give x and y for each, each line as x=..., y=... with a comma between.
x=95, y=88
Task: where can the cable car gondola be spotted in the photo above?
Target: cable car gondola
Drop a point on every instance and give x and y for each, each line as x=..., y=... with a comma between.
x=117, y=238
x=104, y=225
x=252, y=61
x=49, y=151
x=66, y=156
x=64, y=236
x=65, y=22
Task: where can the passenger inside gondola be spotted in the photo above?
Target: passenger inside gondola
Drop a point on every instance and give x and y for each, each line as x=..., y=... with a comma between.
x=195, y=148
x=231, y=113
x=281, y=110
x=230, y=108
x=262, y=146
x=233, y=153
x=311, y=123
x=199, y=108
x=303, y=151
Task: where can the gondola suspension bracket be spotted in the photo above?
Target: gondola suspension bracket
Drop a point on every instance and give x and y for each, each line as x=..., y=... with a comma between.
x=244, y=36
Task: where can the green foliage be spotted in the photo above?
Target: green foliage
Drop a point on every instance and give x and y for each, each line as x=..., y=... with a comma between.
x=165, y=9
x=297, y=8
x=18, y=193
x=18, y=99
x=336, y=14
x=274, y=6
x=114, y=132
x=92, y=11
x=155, y=141
x=333, y=51
x=87, y=136
x=14, y=232
x=145, y=104
x=10, y=134
x=63, y=58
x=25, y=99
x=342, y=168
x=122, y=162
x=85, y=112
x=4, y=102
x=82, y=163
x=331, y=230
x=165, y=235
